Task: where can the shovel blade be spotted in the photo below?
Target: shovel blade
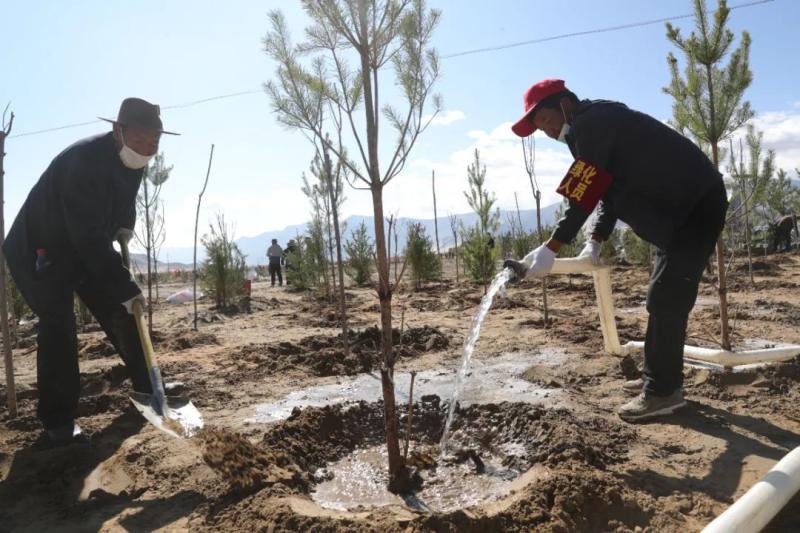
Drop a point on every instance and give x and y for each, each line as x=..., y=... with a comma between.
x=180, y=419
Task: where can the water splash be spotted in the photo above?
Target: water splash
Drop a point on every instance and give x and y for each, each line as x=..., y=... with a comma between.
x=498, y=284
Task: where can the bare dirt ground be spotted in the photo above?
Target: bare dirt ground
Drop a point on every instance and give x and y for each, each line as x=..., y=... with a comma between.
x=586, y=469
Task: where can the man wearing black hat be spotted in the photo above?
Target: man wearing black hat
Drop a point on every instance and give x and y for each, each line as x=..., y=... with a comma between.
x=61, y=243
x=633, y=168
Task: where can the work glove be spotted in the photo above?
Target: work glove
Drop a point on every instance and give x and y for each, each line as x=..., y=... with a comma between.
x=123, y=234
x=538, y=264
x=591, y=250
x=128, y=304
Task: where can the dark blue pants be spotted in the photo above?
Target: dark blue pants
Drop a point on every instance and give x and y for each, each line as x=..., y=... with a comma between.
x=673, y=291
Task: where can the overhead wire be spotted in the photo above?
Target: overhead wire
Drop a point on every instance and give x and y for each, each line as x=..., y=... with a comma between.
x=449, y=56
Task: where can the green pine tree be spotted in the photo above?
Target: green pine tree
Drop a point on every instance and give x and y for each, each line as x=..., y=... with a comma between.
x=708, y=98
x=425, y=264
x=480, y=257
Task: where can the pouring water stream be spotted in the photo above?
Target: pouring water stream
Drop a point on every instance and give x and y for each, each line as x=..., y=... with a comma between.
x=498, y=283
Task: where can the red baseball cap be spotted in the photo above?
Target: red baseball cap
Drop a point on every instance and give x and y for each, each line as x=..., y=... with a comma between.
x=531, y=99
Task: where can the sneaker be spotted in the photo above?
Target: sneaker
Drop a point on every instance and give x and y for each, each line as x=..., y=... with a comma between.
x=646, y=406
x=633, y=386
x=65, y=434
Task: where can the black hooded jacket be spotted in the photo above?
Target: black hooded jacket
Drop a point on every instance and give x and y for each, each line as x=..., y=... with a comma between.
x=73, y=212
x=658, y=174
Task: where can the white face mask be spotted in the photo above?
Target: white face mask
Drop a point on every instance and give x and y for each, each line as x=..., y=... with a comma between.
x=562, y=135
x=130, y=158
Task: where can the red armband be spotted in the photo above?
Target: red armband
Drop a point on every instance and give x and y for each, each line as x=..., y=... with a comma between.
x=584, y=184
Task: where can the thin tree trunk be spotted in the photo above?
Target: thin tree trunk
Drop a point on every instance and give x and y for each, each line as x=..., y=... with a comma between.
x=11, y=391
x=387, y=369
x=722, y=275
x=537, y=195
x=148, y=248
x=435, y=217
x=196, y=220
x=339, y=260
x=747, y=242
x=396, y=465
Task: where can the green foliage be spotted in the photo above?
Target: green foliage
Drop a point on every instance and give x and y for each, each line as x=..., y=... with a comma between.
x=223, y=271
x=708, y=98
x=479, y=258
x=750, y=184
x=424, y=263
x=637, y=250
x=303, y=264
x=781, y=197
x=573, y=248
x=359, y=249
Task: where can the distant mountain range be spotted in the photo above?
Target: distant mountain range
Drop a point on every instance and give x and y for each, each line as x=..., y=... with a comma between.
x=255, y=248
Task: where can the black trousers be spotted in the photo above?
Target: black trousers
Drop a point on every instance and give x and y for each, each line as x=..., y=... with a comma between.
x=673, y=291
x=57, y=356
x=275, y=270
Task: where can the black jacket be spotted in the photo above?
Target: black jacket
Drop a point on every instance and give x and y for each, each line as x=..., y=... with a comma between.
x=658, y=174
x=73, y=213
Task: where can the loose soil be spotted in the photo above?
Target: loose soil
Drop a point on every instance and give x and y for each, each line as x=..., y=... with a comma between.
x=587, y=470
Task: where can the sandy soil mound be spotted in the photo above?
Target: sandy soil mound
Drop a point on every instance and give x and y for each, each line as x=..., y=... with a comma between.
x=325, y=357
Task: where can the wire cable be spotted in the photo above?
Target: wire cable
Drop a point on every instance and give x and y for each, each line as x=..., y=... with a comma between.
x=457, y=54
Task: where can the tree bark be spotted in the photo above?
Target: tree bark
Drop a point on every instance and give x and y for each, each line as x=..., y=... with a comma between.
x=11, y=391
x=435, y=217
x=196, y=220
x=387, y=369
x=722, y=274
x=340, y=261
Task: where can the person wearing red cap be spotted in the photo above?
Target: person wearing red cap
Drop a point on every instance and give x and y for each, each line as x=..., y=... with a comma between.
x=631, y=167
x=61, y=244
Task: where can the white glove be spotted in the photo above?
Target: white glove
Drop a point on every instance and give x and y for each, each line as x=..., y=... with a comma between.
x=123, y=234
x=592, y=250
x=541, y=261
x=128, y=304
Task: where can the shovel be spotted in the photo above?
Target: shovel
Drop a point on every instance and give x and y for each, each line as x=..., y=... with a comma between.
x=174, y=415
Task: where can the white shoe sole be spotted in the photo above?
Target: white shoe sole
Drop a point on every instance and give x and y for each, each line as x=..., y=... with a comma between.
x=652, y=414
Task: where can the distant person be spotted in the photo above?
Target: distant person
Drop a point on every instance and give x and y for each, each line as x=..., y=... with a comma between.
x=634, y=168
x=291, y=248
x=782, y=232
x=61, y=243
x=275, y=256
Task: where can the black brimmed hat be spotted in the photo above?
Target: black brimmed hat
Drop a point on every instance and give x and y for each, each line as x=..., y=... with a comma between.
x=138, y=113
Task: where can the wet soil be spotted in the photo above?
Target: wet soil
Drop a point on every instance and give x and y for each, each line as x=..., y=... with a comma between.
x=592, y=471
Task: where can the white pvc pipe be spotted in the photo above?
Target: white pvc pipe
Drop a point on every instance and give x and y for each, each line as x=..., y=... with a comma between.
x=766, y=498
x=602, y=289
x=575, y=265
x=605, y=308
x=726, y=357
x=763, y=501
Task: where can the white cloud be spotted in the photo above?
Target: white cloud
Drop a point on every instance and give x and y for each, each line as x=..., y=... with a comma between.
x=500, y=151
x=445, y=118
x=781, y=131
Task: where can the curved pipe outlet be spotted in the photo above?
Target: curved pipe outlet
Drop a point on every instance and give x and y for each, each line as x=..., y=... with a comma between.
x=754, y=510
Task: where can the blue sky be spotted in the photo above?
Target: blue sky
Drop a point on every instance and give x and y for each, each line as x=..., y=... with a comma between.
x=67, y=63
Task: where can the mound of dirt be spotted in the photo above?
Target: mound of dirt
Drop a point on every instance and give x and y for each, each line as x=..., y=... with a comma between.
x=248, y=468
x=579, y=495
x=95, y=348
x=325, y=356
x=172, y=341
